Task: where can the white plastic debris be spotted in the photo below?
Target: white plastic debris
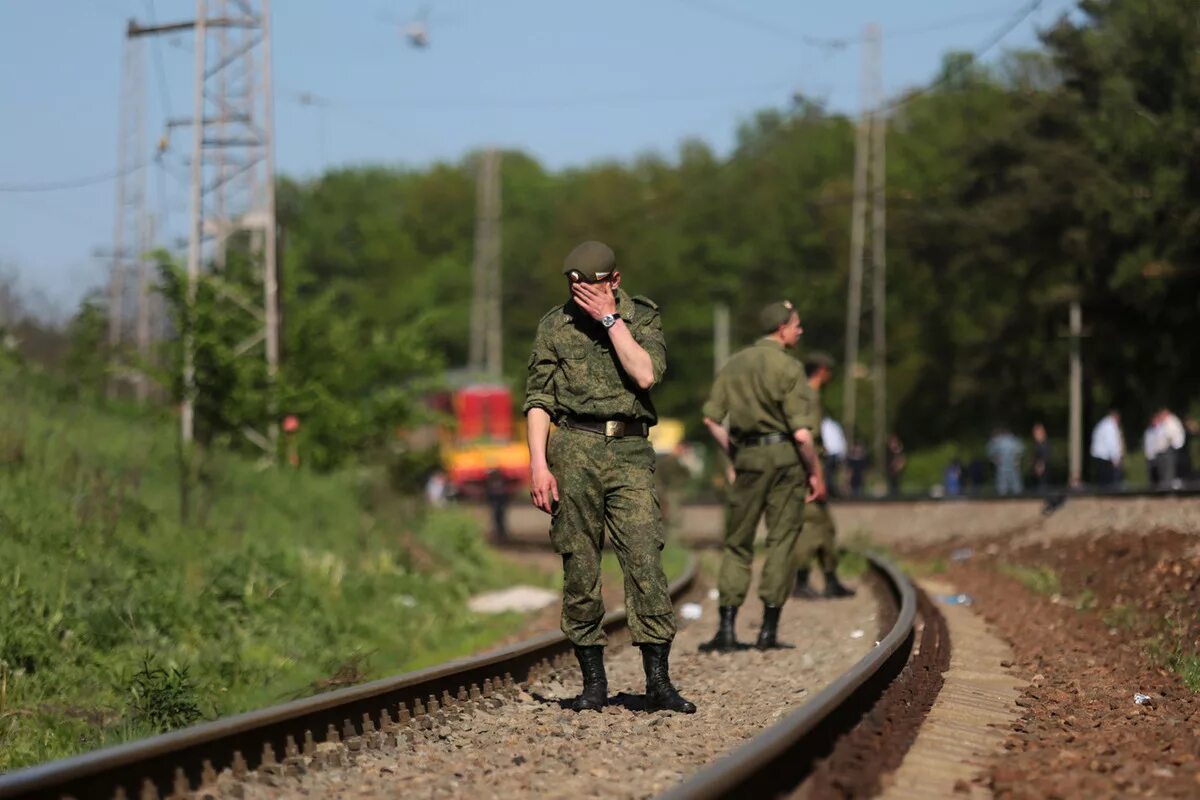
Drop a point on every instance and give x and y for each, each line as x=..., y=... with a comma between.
x=691, y=611
x=406, y=600
x=514, y=598
x=955, y=599
x=713, y=594
x=857, y=634
x=962, y=554
x=1143, y=699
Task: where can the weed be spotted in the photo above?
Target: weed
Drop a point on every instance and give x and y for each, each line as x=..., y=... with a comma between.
x=1040, y=579
x=162, y=699
x=1085, y=600
x=1122, y=617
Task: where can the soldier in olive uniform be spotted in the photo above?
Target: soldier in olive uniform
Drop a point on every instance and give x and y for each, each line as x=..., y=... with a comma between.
x=771, y=442
x=819, y=534
x=594, y=361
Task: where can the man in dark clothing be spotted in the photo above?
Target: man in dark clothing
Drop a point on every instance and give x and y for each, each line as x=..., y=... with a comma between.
x=496, y=487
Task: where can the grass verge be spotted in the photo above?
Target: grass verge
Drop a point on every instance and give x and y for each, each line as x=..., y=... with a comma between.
x=117, y=621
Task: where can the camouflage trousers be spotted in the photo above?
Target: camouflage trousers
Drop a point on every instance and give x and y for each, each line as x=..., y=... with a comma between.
x=817, y=538
x=606, y=486
x=780, y=493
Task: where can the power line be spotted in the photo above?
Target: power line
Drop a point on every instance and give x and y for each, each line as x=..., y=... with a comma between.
x=70, y=183
x=837, y=42
x=997, y=36
x=159, y=69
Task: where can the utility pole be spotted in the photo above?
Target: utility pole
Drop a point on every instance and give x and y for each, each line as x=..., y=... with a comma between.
x=1075, y=423
x=721, y=336
x=878, y=246
x=232, y=179
x=130, y=215
x=858, y=225
x=486, y=345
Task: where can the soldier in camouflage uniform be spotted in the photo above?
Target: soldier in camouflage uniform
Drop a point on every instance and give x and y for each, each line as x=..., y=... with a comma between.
x=770, y=441
x=594, y=361
x=818, y=537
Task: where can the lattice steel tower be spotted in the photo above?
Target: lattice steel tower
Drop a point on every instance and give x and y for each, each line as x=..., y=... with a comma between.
x=232, y=175
x=131, y=230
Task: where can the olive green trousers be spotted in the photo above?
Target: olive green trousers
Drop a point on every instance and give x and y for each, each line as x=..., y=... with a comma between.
x=817, y=539
x=780, y=494
x=606, y=486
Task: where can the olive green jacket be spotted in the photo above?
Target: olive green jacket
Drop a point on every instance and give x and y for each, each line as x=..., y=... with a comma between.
x=574, y=370
x=763, y=390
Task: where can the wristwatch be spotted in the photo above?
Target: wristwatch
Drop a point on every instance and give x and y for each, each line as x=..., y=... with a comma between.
x=608, y=320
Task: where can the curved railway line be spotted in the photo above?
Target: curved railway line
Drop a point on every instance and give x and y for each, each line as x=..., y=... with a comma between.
x=314, y=734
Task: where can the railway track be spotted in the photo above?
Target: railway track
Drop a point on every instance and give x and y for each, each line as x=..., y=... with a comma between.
x=316, y=734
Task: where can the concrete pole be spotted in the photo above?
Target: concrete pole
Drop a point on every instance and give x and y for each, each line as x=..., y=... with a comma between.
x=858, y=224
x=270, y=266
x=1075, y=424
x=879, y=248
x=187, y=422
x=721, y=336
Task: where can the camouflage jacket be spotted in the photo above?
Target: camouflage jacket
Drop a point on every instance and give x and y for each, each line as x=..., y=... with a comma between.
x=574, y=370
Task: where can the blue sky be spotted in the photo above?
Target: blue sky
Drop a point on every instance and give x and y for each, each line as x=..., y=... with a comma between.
x=567, y=82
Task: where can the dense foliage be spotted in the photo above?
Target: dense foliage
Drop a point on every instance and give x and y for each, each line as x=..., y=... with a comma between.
x=1071, y=171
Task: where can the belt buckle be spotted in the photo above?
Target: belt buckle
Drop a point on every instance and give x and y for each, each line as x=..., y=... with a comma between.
x=614, y=427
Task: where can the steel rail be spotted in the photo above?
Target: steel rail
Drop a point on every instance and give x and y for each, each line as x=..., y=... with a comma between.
x=103, y=773
x=777, y=760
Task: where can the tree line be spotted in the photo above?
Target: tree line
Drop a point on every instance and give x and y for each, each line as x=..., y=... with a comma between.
x=1069, y=171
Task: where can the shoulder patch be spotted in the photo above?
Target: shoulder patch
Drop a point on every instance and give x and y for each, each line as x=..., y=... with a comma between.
x=546, y=317
x=646, y=301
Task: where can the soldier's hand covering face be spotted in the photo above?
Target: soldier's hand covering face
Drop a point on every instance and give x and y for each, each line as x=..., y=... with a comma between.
x=597, y=299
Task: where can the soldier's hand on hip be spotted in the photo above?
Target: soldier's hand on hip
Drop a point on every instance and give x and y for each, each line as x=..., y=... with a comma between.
x=596, y=299
x=543, y=489
x=816, y=489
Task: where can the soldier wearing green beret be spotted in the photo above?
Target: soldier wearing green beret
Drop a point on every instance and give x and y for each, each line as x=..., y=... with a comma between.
x=819, y=535
x=771, y=443
x=595, y=359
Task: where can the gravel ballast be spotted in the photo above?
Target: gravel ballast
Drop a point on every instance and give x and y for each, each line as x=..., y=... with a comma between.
x=531, y=745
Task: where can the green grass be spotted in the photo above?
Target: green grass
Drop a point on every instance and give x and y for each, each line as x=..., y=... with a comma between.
x=1041, y=579
x=117, y=621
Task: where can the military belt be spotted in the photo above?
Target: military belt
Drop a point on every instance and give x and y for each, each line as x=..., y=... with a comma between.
x=613, y=428
x=758, y=441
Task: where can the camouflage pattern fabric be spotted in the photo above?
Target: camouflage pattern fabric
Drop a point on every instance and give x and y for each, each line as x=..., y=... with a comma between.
x=574, y=371
x=817, y=538
x=606, y=485
x=780, y=493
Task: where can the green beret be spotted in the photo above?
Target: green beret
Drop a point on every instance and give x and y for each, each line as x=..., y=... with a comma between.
x=817, y=359
x=774, y=315
x=591, y=259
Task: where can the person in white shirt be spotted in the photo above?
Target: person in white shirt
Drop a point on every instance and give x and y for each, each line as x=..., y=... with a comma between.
x=1171, y=439
x=834, y=440
x=1107, y=450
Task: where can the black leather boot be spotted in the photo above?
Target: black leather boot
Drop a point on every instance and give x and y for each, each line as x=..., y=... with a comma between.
x=834, y=587
x=803, y=589
x=767, y=636
x=661, y=695
x=726, y=639
x=595, y=684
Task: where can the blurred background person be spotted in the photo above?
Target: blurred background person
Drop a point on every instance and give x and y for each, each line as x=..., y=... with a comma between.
x=1107, y=450
x=1005, y=452
x=857, y=461
x=435, y=489
x=499, y=493
x=977, y=475
x=952, y=478
x=896, y=463
x=1172, y=443
x=1152, y=448
x=835, y=453
x=1040, y=467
